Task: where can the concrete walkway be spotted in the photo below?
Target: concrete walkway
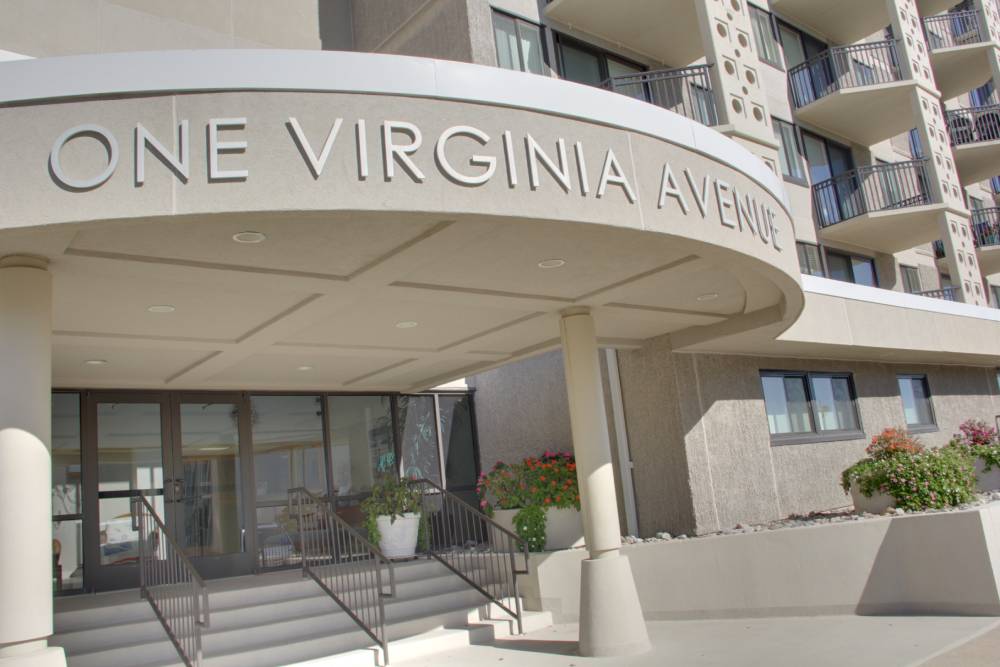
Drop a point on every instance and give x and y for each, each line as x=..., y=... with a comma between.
x=819, y=641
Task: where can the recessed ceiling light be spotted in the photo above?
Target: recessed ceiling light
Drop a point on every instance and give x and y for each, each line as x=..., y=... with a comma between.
x=249, y=237
x=304, y=368
x=161, y=309
x=711, y=296
x=408, y=324
x=95, y=362
x=551, y=263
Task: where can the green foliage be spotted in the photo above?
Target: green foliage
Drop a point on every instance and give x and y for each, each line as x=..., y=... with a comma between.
x=920, y=480
x=990, y=454
x=390, y=497
x=529, y=524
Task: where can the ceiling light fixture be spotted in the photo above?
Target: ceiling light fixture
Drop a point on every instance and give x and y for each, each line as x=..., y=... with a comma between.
x=249, y=237
x=711, y=296
x=164, y=308
x=408, y=324
x=95, y=362
x=304, y=368
x=551, y=263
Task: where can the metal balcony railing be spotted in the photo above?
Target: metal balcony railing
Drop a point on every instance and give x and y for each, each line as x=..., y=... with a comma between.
x=844, y=67
x=945, y=293
x=986, y=227
x=869, y=189
x=953, y=29
x=686, y=91
x=968, y=126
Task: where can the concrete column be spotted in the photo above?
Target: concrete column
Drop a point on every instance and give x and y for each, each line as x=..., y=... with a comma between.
x=611, y=622
x=26, y=464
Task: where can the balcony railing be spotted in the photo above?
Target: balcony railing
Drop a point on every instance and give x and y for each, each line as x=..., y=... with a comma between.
x=686, y=91
x=953, y=29
x=968, y=126
x=945, y=293
x=986, y=227
x=869, y=189
x=844, y=67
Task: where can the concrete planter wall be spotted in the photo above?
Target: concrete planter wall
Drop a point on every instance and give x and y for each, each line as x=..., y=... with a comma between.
x=877, y=504
x=398, y=538
x=987, y=481
x=563, y=527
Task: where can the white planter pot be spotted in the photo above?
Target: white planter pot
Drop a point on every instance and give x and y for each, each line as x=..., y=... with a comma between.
x=986, y=481
x=877, y=504
x=399, y=537
x=563, y=527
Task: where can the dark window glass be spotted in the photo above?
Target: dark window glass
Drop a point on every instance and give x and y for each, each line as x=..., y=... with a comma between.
x=839, y=267
x=519, y=44
x=791, y=44
x=67, y=496
x=995, y=293
x=361, y=442
x=802, y=404
x=911, y=279
x=851, y=268
x=916, y=396
x=592, y=66
x=419, y=447
x=580, y=66
x=790, y=153
x=863, y=269
x=458, y=439
x=809, y=259
x=765, y=37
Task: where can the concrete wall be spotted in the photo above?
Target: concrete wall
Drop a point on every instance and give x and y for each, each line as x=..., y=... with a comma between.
x=69, y=27
x=926, y=564
x=734, y=474
x=447, y=29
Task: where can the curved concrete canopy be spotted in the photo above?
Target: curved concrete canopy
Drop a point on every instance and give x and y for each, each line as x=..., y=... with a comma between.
x=390, y=191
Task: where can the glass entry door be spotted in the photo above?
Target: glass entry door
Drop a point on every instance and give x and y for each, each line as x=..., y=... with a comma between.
x=208, y=485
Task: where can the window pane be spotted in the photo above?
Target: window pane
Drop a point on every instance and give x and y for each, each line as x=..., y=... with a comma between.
x=505, y=34
x=792, y=46
x=789, y=155
x=864, y=271
x=580, y=66
x=911, y=279
x=67, y=554
x=417, y=419
x=361, y=442
x=916, y=401
x=839, y=267
x=786, y=403
x=809, y=259
x=819, y=165
x=531, y=47
x=767, y=46
x=833, y=404
x=458, y=440
x=66, y=481
x=287, y=445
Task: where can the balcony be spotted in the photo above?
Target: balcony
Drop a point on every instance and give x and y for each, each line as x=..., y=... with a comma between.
x=665, y=30
x=686, y=91
x=986, y=237
x=843, y=21
x=883, y=207
x=945, y=294
x=855, y=91
x=975, y=140
x=959, y=51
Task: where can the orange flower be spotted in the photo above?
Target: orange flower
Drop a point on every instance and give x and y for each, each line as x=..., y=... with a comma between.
x=548, y=501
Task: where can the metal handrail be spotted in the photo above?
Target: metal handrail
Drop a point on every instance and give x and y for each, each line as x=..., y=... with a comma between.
x=986, y=227
x=972, y=125
x=687, y=91
x=953, y=29
x=844, y=67
x=170, y=583
x=869, y=189
x=474, y=546
x=344, y=564
x=945, y=293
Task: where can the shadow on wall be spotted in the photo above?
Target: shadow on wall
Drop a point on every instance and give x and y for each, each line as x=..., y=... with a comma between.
x=335, y=25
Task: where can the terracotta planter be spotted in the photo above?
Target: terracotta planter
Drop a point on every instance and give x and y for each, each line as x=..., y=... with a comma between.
x=877, y=504
x=986, y=481
x=563, y=527
x=398, y=539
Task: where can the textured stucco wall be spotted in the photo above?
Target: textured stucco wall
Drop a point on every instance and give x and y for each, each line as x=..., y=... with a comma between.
x=427, y=28
x=707, y=412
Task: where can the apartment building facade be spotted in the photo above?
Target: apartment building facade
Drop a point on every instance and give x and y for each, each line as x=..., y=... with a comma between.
x=775, y=220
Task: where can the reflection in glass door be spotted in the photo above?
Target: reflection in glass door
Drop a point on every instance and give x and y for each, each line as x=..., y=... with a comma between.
x=207, y=485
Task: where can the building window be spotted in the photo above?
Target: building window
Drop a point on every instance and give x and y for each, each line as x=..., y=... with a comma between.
x=850, y=268
x=803, y=407
x=911, y=279
x=766, y=35
x=519, y=44
x=790, y=153
x=917, y=408
x=592, y=66
x=995, y=294
x=810, y=259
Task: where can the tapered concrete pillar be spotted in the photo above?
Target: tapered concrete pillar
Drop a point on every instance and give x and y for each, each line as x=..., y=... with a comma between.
x=611, y=622
x=26, y=464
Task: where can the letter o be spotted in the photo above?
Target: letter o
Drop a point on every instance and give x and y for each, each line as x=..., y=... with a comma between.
x=99, y=133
